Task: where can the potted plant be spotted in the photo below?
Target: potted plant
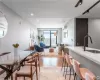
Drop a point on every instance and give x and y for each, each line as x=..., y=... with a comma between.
x=16, y=49
x=41, y=38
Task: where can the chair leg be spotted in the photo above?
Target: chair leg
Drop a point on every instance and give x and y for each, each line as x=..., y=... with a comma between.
x=64, y=68
x=39, y=64
x=39, y=67
x=70, y=74
x=12, y=77
x=24, y=78
x=66, y=72
x=16, y=77
x=36, y=73
x=62, y=64
x=74, y=76
x=73, y=70
x=31, y=77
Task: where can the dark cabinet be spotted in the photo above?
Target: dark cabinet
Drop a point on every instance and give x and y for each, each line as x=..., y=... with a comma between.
x=81, y=31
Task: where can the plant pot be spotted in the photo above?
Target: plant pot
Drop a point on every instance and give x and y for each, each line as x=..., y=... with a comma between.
x=15, y=53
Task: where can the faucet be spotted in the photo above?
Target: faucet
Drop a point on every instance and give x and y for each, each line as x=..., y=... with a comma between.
x=85, y=40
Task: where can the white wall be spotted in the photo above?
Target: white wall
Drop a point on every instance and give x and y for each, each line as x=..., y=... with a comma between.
x=17, y=33
x=70, y=39
x=94, y=32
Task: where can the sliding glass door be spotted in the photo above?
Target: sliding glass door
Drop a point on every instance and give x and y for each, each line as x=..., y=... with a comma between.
x=50, y=38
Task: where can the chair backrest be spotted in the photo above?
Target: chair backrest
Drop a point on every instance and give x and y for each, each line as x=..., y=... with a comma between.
x=42, y=45
x=76, y=66
x=34, y=60
x=38, y=49
x=68, y=59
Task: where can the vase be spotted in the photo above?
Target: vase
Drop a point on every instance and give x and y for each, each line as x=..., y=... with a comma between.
x=15, y=53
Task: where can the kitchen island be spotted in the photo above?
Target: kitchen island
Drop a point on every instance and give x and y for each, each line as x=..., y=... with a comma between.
x=87, y=59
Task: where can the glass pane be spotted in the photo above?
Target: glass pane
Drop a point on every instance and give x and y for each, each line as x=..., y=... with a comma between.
x=47, y=38
x=53, y=40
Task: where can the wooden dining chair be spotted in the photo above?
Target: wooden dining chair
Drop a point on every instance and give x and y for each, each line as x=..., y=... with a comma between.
x=29, y=58
x=27, y=71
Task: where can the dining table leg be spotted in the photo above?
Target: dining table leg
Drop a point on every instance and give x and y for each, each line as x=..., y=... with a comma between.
x=10, y=73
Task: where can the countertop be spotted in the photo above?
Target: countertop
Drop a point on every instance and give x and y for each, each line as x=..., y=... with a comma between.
x=95, y=57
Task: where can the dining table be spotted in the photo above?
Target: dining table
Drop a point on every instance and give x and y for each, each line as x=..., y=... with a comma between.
x=10, y=63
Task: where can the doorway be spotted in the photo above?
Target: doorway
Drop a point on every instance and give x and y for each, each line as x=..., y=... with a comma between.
x=50, y=38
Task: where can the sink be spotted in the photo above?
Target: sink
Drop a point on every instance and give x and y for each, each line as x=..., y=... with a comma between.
x=93, y=51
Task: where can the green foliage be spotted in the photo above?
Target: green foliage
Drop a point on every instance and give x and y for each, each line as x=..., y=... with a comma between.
x=41, y=38
x=15, y=45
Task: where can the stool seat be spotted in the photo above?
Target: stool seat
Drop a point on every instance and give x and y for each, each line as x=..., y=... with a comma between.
x=33, y=64
x=28, y=64
x=26, y=71
x=81, y=72
x=84, y=71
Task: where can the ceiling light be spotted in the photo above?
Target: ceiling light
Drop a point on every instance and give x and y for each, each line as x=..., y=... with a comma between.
x=87, y=11
x=79, y=3
x=32, y=14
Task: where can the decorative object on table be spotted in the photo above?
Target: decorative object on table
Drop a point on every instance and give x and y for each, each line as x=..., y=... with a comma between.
x=16, y=50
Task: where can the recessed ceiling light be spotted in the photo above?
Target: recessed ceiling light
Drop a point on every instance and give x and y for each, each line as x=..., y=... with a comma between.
x=32, y=14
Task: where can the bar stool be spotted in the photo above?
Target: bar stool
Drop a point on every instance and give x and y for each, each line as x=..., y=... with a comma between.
x=81, y=71
x=69, y=64
x=64, y=61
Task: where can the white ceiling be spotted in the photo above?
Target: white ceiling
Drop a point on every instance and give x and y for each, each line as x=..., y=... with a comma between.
x=49, y=13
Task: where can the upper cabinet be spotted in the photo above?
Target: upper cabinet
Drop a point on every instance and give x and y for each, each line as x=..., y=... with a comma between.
x=3, y=25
